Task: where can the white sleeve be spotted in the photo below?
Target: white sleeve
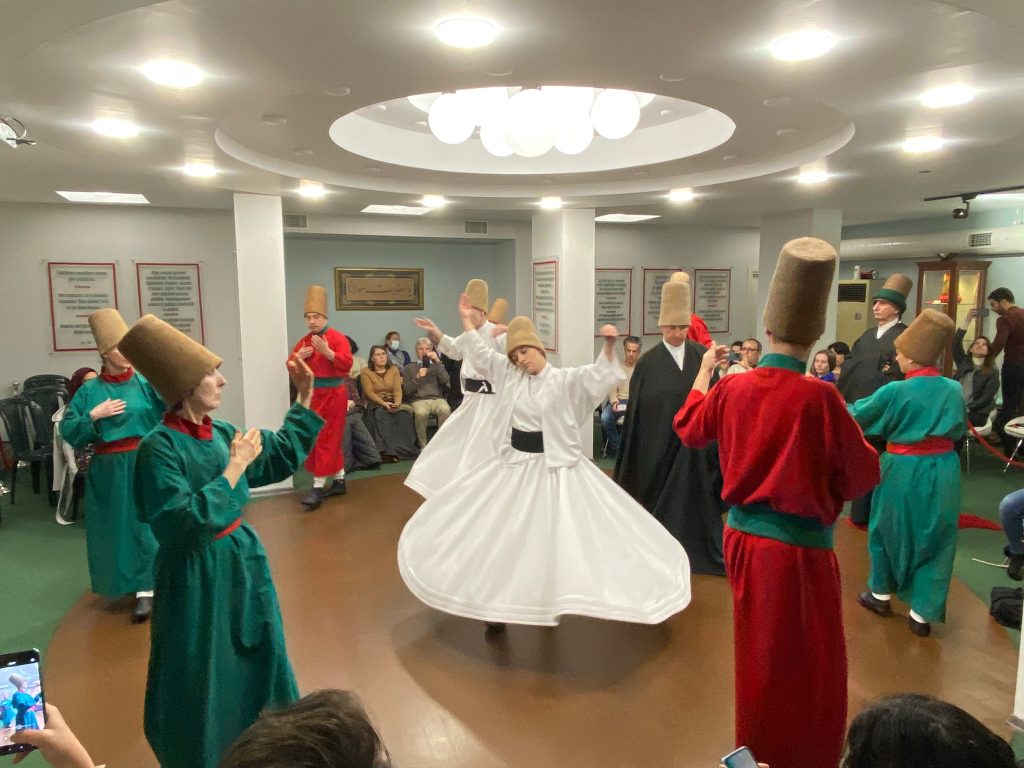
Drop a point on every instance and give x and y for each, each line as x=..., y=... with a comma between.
x=447, y=348
x=483, y=357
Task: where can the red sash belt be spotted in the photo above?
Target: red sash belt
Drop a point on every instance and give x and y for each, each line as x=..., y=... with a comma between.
x=123, y=445
x=228, y=531
x=927, y=447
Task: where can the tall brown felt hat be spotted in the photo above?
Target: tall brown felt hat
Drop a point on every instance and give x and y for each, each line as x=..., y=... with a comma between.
x=173, y=363
x=18, y=681
x=800, y=289
x=107, y=328
x=927, y=337
x=316, y=300
x=499, y=311
x=521, y=333
x=476, y=289
x=895, y=290
x=675, y=300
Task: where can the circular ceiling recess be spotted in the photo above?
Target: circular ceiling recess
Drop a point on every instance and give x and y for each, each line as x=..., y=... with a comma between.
x=519, y=131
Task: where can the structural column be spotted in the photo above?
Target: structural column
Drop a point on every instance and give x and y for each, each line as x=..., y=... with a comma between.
x=567, y=237
x=778, y=229
x=262, y=315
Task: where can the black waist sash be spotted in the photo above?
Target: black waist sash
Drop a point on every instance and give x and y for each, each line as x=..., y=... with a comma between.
x=527, y=442
x=479, y=386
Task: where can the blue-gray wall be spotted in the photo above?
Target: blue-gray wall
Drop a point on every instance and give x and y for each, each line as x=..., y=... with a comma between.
x=447, y=267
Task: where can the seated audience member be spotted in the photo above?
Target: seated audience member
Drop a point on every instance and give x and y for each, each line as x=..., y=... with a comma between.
x=358, y=363
x=393, y=346
x=822, y=364
x=840, y=349
x=357, y=442
x=55, y=742
x=1011, y=514
x=388, y=419
x=976, y=373
x=423, y=384
x=618, y=398
x=326, y=729
x=750, y=355
x=909, y=730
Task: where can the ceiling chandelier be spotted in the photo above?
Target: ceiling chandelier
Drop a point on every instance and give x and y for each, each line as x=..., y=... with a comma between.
x=530, y=122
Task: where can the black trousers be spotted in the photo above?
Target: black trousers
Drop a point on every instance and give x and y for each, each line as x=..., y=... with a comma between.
x=1013, y=388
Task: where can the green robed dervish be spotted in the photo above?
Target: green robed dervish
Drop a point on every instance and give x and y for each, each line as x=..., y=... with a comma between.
x=914, y=512
x=120, y=546
x=218, y=650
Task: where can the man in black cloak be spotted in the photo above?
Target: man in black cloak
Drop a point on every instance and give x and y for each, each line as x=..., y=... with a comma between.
x=680, y=486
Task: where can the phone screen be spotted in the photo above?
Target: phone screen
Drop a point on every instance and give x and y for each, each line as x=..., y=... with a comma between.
x=741, y=758
x=21, y=697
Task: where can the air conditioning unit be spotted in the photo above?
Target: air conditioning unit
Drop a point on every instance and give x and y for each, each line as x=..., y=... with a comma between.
x=853, y=308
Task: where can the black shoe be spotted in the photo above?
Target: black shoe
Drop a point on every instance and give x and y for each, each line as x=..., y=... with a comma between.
x=919, y=628
x=873, y=604
x=143, y=609
x=314, y=500
x=337, y=488
x=1015, y=570
x=494, y=628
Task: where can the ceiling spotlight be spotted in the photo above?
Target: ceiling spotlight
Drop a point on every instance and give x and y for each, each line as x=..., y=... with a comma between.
x=813, y=173
x=199, y=170
x=918, y=144
x=551, y=203
x=173, y=74
x=312, y=189
x=681, y=195
x=466, y=32
x=803, y=45
x=948, y=95
x=434, y=201
x=963, y=213
x=115, y=128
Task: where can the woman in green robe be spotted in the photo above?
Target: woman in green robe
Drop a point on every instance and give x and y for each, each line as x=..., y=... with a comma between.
x=217, y=655
x=113, y=412
x=915, y=508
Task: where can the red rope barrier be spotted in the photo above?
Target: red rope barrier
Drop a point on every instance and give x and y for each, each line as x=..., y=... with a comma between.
x=993, y=450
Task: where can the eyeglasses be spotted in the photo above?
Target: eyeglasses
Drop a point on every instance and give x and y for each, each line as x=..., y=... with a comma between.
x=749, y=349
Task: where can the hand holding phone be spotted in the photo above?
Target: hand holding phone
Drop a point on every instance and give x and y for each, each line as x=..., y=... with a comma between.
x=21, y=698
x=56, y=742
x=740, y=758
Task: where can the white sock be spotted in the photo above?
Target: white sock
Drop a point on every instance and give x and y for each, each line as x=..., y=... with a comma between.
x=144, y=593
x=881, y=597
x=917, y=617
x=319, y=482
x=340, y=475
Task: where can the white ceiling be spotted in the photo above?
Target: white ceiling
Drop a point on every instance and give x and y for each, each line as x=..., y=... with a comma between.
x=65, y=62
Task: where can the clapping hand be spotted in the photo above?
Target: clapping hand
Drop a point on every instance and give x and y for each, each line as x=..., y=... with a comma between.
x=428, y=325
x=246, y=448
x=716, y=355
x=305, y=352
x=108, y=408
x=302, y=377
x=320, y=345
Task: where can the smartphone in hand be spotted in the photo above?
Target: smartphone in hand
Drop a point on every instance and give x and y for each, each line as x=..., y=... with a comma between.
x=21, y=697
x=740, y=758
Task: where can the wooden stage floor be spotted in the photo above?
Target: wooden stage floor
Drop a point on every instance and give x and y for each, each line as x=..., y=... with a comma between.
x=586, y=693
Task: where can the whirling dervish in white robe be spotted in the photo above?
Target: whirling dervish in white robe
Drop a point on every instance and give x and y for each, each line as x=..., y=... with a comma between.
x=537, y=531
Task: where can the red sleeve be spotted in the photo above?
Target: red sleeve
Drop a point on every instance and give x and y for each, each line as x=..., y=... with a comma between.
x=696, y=423
x=855, y=462
x=699, y=331
x=342, y=354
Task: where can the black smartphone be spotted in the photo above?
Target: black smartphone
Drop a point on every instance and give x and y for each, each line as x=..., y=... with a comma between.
x=21, y=697
x=740, y=758
x=734, y=357
x=983, y=312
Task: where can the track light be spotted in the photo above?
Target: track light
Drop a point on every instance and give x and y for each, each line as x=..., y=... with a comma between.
x=963, y=213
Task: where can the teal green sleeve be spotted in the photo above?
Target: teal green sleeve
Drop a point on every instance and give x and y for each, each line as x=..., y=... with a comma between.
x=873, y=412
x=165, y=499
x=154, y=403
x=76, y=428
x=285, y=449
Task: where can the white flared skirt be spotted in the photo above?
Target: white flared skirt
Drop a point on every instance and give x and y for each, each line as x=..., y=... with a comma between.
x=524, y=543
x=462, y=442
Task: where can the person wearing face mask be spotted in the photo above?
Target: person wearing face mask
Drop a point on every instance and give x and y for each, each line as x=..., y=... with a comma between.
x=976, y=373
x=217, y=649
x=537, y=530
x=393, y=347
x=680, y=486
x=113, y=412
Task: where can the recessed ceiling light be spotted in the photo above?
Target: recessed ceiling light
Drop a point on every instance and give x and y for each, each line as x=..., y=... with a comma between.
x=272, y=118
x=465, y=32
x=948, y=95
x=667, y=112
x=550, y=203
x=671, y=78
x=371, y=169
x=803, y=45
x=421, y=123
x=434, y=201
x=813, y=173
x=681, y=195
x=918, y=144
x=776, y=101
x=397, y=210
x=640, y=174
x=786, y=131
x=115, y=128
x=729, y=158
x=380, y=107
x=172, y=73
x=500, y=72
x=199, y=170
x=624, y=218
x=109, y=198
x=312, y=189
x=302, y=151
x=341, y=90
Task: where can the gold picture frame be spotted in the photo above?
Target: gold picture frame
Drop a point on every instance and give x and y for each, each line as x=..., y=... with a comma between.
x=377, y=289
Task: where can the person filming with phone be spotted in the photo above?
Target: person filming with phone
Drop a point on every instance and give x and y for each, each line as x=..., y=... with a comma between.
x=975, y=371
x=424, y=381
x=1010, y=341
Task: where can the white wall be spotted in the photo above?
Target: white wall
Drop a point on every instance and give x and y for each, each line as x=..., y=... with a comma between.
x=31, y=234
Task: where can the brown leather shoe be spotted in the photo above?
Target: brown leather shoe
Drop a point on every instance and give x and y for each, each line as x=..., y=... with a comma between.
x=873, y=604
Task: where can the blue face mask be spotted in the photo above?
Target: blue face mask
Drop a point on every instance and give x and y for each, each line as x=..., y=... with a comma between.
x=394, y=344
